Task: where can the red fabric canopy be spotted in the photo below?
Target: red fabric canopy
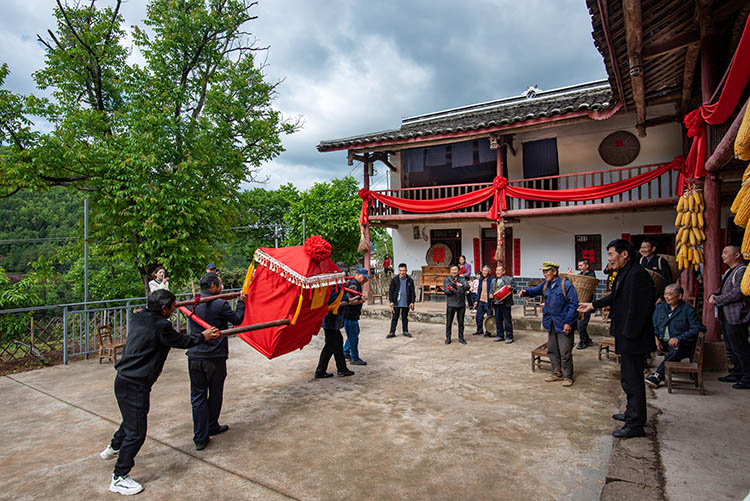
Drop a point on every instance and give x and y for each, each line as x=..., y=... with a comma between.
x=500, y=189
x=720, y=111
x=281, y=277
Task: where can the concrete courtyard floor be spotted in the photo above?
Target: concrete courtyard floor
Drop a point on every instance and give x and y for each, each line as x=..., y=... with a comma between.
x=422, y=421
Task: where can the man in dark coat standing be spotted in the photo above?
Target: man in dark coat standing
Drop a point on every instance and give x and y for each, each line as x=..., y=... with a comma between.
x=207, y=363
x=632, y=306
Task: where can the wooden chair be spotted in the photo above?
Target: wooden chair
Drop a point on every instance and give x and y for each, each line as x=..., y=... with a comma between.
x=107, y=347
x=536, y=357
x=607, y=346
x=690, y=300
x=694, y=369
x=531, y=306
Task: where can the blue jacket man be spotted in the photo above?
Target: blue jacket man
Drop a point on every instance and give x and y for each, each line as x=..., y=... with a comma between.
x=676, y=327
x=558, y=318
x=483, y=303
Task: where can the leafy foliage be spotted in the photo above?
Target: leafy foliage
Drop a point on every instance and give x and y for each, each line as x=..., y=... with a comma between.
x=161, y=148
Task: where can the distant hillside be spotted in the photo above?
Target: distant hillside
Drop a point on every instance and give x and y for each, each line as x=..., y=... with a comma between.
x=56, y=213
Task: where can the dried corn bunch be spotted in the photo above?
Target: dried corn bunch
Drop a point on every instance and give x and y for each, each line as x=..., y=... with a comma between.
x=690, y=233
x=745, y=284
x=742, y=142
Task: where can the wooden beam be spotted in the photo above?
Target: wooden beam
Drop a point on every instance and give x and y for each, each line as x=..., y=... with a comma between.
x=604, y=16
x=688, y=75
x=724, y=151
x=663, y=47
x=634, y=37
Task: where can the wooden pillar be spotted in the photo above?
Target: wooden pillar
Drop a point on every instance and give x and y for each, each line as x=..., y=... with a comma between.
x=500, y=249
x=366, y=264
x=712, y=195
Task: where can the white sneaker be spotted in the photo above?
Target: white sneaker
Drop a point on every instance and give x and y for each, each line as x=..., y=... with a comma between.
x=109, y=453
x=125, y=485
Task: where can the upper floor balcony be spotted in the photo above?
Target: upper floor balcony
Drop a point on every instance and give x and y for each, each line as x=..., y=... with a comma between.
x=659, y=192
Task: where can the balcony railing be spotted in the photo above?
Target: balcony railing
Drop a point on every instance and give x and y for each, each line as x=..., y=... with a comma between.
x=660, y=188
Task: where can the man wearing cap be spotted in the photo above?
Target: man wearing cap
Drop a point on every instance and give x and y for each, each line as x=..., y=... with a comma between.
x=211, y=268
x=558, y=317
x=351, y=318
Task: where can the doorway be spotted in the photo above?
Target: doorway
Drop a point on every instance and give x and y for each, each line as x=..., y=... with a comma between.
x=664, y=242
x=489, y=244
x=451, y=238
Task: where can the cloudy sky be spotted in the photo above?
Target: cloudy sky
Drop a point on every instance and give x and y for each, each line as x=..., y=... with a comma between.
x=355, y=66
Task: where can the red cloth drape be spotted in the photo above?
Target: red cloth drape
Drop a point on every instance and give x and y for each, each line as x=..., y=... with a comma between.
x=719, y=112
x=500, y=189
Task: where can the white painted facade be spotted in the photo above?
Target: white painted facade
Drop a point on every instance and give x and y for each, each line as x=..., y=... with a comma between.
x=553, y=238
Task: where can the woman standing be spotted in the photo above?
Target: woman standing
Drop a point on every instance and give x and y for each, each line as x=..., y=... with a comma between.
x=160, y=280
x=464, y=268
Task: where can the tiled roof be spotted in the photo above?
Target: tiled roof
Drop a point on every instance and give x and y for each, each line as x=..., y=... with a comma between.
x=534, y=103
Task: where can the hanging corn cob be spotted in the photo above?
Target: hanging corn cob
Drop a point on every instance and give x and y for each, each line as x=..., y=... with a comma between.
x=742, y=142
x=690, y=235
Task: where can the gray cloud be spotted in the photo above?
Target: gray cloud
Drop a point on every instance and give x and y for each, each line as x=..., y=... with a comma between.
x=352, y=67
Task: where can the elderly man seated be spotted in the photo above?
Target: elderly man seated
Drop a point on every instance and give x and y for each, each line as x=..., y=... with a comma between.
x=676, y=326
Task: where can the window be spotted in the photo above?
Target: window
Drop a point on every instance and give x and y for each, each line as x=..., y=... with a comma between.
x=540, y=160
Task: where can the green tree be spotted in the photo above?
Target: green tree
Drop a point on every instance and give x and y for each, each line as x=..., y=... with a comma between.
x=332, y=211
x=260, y=222
x=160, y=148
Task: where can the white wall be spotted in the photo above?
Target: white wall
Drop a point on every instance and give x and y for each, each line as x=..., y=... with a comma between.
x=542, y=238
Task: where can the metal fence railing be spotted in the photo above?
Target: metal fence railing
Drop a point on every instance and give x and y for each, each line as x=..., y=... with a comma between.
x=61, y=332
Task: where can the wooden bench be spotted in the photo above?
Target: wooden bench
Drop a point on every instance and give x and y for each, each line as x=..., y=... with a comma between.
x=694, y=369
x=536, y=357
x=531, y=305
x=107, y=347
x=607, y=346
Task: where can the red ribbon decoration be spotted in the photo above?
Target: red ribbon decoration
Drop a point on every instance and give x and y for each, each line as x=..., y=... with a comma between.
x=500, y=189
x=720, y=111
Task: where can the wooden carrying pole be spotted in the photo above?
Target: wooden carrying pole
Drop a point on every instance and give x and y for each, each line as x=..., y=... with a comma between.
x=254, y=327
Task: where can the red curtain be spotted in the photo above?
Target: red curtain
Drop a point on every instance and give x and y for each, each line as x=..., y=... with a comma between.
x=719, y=112
x=500, y=189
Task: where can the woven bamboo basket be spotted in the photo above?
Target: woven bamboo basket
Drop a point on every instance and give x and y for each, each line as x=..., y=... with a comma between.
x=585, y=286
x=658, y=281
x=672, y=261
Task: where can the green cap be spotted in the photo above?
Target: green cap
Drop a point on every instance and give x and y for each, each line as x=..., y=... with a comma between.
x=548, y=265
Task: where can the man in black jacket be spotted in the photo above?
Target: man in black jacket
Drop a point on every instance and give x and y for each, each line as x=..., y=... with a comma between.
x=149, y=339
x=632, y=305
x=352, y=312
x=456, y=288
x=207, y=363
x=334, y=343
x=401, y=297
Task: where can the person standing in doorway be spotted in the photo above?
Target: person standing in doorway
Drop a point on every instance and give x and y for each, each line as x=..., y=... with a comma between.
x=632, y=304
x=456, y=288
x=401, y=297
x=584, y=340
x=352, y=311
x=207, y=363
x=503, y=305
x=651, y=261
x=483, y=299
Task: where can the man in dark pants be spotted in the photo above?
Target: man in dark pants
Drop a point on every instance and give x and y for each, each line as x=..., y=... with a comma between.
x=401, y=297
x=734, y=316
x=483, y=303
x=456, y=288
x=584, y=340
x=632, y=306
x=207, y=363
x=503, y=318
x=149, y=339
x=352, y=313
x=676, y=327
x=334, y=342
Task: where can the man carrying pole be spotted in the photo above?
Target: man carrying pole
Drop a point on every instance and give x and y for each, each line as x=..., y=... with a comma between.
x=207, y=363
x=150, y=337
